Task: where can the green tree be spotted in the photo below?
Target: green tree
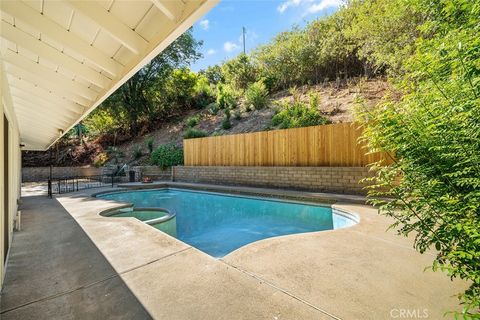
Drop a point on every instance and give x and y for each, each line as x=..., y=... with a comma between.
x=239, y=72
x=140, y=97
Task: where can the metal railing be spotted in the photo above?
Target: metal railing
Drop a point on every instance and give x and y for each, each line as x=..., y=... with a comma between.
x=61, y=185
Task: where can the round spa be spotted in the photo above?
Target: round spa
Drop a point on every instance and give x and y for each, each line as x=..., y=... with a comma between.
x=159, y=218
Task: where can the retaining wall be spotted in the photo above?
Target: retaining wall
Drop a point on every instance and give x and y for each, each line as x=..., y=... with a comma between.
x=36, y=174
x=320, y=179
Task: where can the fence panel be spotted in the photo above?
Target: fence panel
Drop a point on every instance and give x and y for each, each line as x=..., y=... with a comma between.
x=334, y=145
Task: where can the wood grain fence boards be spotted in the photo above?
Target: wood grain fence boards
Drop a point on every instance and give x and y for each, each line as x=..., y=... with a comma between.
x=332, y=145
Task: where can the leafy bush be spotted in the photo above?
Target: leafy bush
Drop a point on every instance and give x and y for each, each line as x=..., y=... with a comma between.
x=239, y=72
x=213, y=108
x=226, y=124
x=433, y=131
x=193, y=121
x=149, y=144
x=256, y=95
x=100, y=160
x=191, y=133
x=299, y=114
x=204, y=94
x=226, y=97
x=137, y=152
x=167, y=155
x=180, y=87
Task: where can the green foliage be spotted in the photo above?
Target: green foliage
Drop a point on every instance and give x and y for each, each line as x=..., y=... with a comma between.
x=167, y=155
x=137, y=152
x=213, y=74
x=213, y=108
x=193, y=121
x=191, y=133
x=100, y=160
x=239, y=72
x=142, y=97
x=179, y=88
x=384, y=31
x=226, y=124
x=226, y=96
x=433, y=132
x=149, y=141
x=101, y=122
x=203, y=92
x=299, y=114
x=256, y=95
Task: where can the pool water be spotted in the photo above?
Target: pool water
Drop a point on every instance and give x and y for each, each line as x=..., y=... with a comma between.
x=217, y=224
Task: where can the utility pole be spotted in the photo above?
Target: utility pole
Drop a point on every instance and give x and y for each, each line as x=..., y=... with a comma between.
x=243, y=32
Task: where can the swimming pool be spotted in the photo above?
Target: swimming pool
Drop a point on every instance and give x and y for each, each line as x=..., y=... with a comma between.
x=218, y=223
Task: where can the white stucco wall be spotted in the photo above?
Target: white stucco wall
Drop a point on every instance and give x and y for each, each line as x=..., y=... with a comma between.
x=14, y=175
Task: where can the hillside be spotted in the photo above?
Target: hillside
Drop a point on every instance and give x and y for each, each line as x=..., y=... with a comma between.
x=336, y=104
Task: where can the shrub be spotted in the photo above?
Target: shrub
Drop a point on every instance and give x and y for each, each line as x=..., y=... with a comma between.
x=213, y=108
x=298, y=115
x=226, y=97
x=204, y=94
x=137, y=152
x=149, y=144
x=433, y=131
x=237, y=114
x=100, y=160
x=167, y=155
x=256, y=95
x=239, y=71
x=193, y=121
x=191, y=133
x=226, y=124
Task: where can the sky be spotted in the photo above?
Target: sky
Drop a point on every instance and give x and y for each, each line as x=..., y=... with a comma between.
x=221, y=28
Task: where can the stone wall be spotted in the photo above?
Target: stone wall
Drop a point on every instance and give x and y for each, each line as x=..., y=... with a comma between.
x=320, y=179
x=36, y=174
x=154, y=172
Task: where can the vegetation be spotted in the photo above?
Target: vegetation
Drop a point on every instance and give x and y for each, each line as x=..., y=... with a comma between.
x=193, y=121
x=167, y=155
x=431, y=127
x=226, y=96
x=191, y=133
x=299, y=114
x=149, y=143
x=256, y=95
x=226, y=124
x=137, y=152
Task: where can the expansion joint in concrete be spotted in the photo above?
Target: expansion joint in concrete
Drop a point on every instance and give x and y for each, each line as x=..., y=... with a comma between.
x=268, y=283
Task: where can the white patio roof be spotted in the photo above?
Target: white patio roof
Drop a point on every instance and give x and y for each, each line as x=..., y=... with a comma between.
x=61, y=58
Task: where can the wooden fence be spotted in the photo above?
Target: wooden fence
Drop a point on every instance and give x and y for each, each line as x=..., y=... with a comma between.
x=334, y=145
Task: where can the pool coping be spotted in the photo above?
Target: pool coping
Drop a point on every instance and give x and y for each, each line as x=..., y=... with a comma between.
x=154, y=251
x=310, y=196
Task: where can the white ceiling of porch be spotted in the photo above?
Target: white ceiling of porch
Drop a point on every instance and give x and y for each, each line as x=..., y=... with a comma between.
x=61, y=58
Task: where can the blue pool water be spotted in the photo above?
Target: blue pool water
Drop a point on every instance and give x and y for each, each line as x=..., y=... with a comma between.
x=219, y=223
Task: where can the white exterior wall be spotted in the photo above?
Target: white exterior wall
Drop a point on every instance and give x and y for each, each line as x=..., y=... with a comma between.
x=14, y=175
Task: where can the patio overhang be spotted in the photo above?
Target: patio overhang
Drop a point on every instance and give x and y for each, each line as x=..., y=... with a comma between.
x=60, y=59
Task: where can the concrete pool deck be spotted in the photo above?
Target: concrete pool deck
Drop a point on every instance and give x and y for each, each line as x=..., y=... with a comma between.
x=361, y=272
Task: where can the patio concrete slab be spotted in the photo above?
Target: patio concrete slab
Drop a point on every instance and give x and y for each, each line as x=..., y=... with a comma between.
x=55, y=271
x=193, y=285
x=361, y=272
